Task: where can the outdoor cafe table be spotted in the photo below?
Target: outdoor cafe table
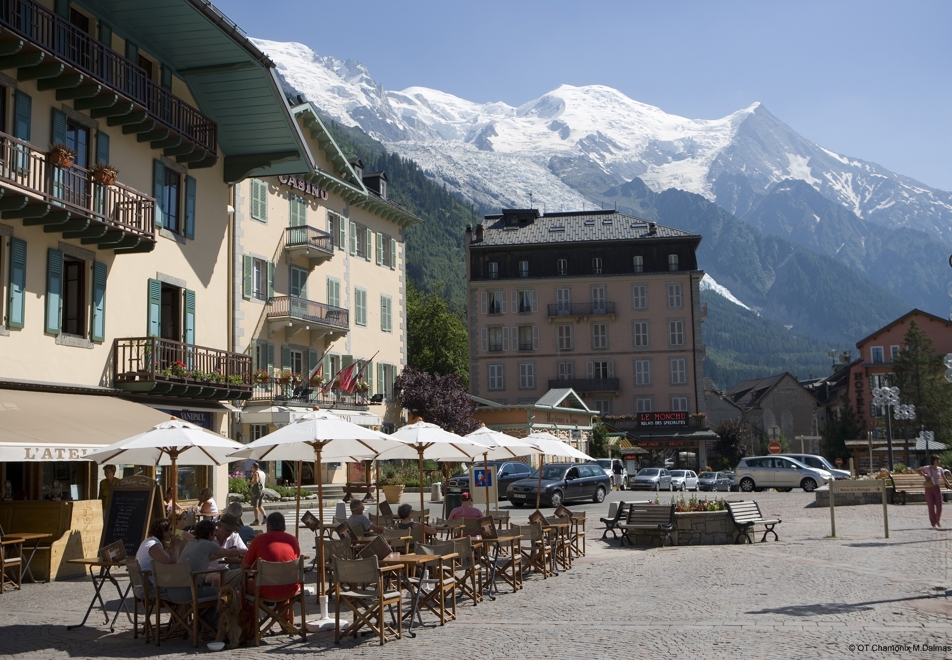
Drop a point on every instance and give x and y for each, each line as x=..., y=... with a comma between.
x=104, y=575
x=36, y=537
x=482, y=545
x=411, y=562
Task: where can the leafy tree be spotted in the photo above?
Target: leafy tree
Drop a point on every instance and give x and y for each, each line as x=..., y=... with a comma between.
x=847, y=425
x=919, y=374
x=438, y=399
x=598, y=445
x=733, y=437
x=436, y=337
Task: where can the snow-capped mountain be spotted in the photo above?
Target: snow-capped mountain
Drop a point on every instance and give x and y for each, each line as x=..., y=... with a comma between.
x=566, y=147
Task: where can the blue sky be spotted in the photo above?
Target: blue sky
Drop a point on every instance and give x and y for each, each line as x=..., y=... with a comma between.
x=868, y=79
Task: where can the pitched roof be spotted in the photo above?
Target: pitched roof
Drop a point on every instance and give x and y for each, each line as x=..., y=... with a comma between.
x=900, y=320
x=556, y=397
x=575, y=227
x=748, y=393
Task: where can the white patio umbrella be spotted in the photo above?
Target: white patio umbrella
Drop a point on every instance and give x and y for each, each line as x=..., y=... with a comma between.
x=170, y=443
x=550, y=445
x=500, y=447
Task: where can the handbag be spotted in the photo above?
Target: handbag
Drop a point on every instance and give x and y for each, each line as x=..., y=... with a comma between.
x=929, y=483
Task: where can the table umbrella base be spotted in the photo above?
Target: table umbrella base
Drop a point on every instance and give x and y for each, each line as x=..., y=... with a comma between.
x=326, y=622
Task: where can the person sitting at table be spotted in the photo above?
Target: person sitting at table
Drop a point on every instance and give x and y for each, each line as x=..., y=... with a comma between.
x=404, y=511
x=466, y=510
x=247, y=532
x=168, y=502
x=161, y=546
x=359, y=521
x=198, y=554
x=274, y=545
x=206, y=503
x=228, y=537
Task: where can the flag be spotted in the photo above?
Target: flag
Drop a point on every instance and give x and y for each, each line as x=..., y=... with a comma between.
x=360, y=373
x=347, y=377
x=317, y=371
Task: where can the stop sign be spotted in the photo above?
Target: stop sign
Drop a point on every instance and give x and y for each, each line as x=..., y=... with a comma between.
x=839, y=462
x=774, y=447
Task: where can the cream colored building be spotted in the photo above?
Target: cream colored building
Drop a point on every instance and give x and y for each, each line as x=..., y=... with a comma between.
x=320, y=285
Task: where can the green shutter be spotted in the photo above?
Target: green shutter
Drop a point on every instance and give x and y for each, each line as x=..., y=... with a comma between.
x=327, y=368
x=380, y=384
x=155, y=308
x=59, y=127
x=61, y=7
x=189, y=324
x=270, y=359
x=270, y=280
x=298, y=211
x=368, y=244
x=346, y=361
x=353, y=239
x=286, y=357
x=190, y=192
x=247, y=273
x=312, y=359
x=17, y=282
x=54, y=290
x=379, y=248
x=158, y=188
x=369, y=376
x=105, y=34
x=24, y=111
x=393, y=254
x=341, y=233
x=259, y=200
x=97, y=330
x=102, y=148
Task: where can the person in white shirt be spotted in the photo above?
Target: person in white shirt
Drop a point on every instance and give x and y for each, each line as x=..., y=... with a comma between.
x=935, y=476
x=256, y=487
x=226, y=535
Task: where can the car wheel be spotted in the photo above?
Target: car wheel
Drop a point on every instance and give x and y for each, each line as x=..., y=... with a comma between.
x=683, y=487
x=518, y=505
x=784, y=490
x=556, y=500
x=808, y=485
x=599, y=495
x=747, y=485
x=670, y=487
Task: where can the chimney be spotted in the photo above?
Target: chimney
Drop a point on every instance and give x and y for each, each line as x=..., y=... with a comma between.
x=469, y=233
x=479, y=233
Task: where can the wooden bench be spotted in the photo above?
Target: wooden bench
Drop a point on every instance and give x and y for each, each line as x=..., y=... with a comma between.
x=617, y=512
x=910, y=483
x=648, y=518
x=746, y=516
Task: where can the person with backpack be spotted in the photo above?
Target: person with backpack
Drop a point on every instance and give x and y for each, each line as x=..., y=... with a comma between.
x=256, y=487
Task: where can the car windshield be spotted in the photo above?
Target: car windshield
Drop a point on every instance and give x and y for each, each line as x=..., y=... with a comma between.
x=649, y=472
x=553, y=472
x=677, y=473
x=605, y=463
x=706, y=475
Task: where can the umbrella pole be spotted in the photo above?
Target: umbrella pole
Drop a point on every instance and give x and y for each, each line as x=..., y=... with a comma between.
x=173, y=473
x=420, y=449
x=376, y=476
x=539, y=489
x=297, y=504
x=320, y=508
x=486, y=483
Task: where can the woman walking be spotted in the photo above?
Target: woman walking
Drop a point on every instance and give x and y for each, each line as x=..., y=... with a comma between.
x=935, y=477
x=256, y=487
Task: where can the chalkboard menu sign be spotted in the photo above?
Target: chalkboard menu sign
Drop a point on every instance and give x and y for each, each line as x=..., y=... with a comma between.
x=132, y=507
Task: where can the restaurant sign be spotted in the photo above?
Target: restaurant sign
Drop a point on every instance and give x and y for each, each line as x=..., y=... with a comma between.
x=303, y=186
x=663, y=419
x=201, y=418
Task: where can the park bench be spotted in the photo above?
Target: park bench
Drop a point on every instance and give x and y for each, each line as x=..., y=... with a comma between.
x=648, y=518
x=617, y=512
x=746, y=516
x=910, y=483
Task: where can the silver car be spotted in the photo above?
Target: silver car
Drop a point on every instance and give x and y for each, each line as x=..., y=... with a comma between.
x=819, y=463
x=683, y=480
x=780, y=472
x=650, y=479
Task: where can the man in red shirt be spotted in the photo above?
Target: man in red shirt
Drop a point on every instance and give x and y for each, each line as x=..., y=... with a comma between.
x=274, y=545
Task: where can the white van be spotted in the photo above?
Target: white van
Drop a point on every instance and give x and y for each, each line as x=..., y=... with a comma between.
x=820, y=463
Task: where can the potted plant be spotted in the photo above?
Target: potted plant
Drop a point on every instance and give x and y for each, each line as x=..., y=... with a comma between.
x=362, y=387
x=316, y=381
x=283, y=377
x=197, y=374
x=61, y=155
x=296, y=379
x=176, y=371
x=261, y=377
x=105, y=174
x=235, y=379
x=391, y=484
x=215, y=377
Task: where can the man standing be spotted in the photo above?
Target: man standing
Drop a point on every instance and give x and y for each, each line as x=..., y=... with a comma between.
x=274, y=545
x=359, y=521
x=106, y=485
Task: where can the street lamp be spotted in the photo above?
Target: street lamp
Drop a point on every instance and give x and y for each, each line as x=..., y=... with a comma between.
x=905, y=412
x=926, y=437
x=887, y=396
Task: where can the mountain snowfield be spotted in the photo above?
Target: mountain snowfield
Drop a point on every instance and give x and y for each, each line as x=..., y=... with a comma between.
x=563, y=149
x=708, y=283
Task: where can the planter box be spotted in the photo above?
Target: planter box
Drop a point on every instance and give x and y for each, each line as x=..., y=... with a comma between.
x=693, y=528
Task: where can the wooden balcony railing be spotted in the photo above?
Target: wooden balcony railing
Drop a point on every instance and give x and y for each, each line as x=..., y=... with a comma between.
x=308, y=310
x=581, y=309
x=95, y=60
x=308, y=237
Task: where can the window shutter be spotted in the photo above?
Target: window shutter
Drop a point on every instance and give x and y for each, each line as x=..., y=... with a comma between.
x=327, y=368
x=155, y=308
x=247, y=271
x=54, y=290
x=24, y=112
x=590, y=369
x=368, y=247
x=59, y=127
x=270, y=280
x=285, y=357
x=514, y=302
x=379, y=248
x=342, y=233
x=393, y=254
x=98, y=326
x=102, y=147
x=61, y=7
x=369, y=376
x=503, y=302
x=190, y=192
x=353, y=239
x=105, y=34
x=484, y=339
x=270, y=368
x=297, y=211
x=381, y=387
x=17, y=282
x=158, y=186
x=611, y=368
x=189, y=325
x=535, y=302
x=535, y=337
x=484, y=302
x=132, y=52
x=166, y=76
x=311, y=362
x=346, y=361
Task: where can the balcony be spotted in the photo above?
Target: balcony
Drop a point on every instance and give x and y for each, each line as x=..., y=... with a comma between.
x=160, y=367
x=61, y=57
x=297, y=314
x=585, y=384
x=495, y=347
x=557, y=310
x=316, y=245
x=306, y=396
x=68, y=200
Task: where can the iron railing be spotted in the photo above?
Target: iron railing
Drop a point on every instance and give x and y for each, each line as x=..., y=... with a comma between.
x=308, y=310
x=581, y=309
x=305, y=396
x=585, y=384
x=94, y=59
x=157, y=359
x=309, y=237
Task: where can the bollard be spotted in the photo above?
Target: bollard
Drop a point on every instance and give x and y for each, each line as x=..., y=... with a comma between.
x=436, y=492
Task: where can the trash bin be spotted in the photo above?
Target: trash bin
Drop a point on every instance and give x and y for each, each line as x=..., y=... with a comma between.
x=450, y=502
x=436, y=492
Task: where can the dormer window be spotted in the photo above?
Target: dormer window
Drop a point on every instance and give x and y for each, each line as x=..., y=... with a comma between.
x=597, y=265
x=562, y=266
x=494, y=270
x=639, y=263
x=383, y=188
x=523, y=269
x=672, y=262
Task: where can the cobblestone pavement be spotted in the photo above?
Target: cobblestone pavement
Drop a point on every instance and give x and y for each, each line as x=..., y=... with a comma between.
x=805, y=596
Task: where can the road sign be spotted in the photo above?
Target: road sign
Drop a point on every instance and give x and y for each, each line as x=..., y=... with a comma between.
x=857, y=486
x=774, y=447
x=482, y=480
x=839, y=462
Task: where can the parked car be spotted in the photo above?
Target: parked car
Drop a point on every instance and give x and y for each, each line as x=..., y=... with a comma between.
x=734, y=486
x=650, y=479
x=683, y=480
x=507, y=472
x=819, y=463
x=562, y=482
x=606, y=464
x=780, y=472
x=713, y=481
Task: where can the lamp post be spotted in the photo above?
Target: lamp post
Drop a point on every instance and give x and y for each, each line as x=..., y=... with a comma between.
x=926, y=437
x=905, y=412
x=887, y=396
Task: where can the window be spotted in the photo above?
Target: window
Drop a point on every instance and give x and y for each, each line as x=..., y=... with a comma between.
x=170, y=201
x=493, y=270
x=562, y=266
x=563, y=333
x=597, y=265
x=639, y=263
x=602, y=369
x=679, y=403
x=74, y=297
x=599, y=300
x=676, y=332
x=672, y=262
x=386, y=375
x=526, y=301
x=495, y=302
x=643, y=404
x=333, y=292
x=528, y=337
x=298, y=211
x=563, y=301
x=495, y=339
x=259, y=279
x=362, y=238
x=258, y=431
x=527, y=375
x=523, y=269
x=497, y=379
x=675, y=297
x=893, y=353
x=565, y=370
x=298, y=282
x=386, y=309
x=296, y=363
x=877, y=354
x=602, y=406
x=639, y=296
x=360, y=306
x=679, y=374
x=639, y=333
x=336, y=225
x=642, y=372
x=599, y=336
x=259, y=200
x=386, y=251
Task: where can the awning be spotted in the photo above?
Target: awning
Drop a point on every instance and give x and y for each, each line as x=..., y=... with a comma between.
x=48, y=426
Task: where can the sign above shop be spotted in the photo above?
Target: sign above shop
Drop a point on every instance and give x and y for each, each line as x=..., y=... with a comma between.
x=663, y=419
x=196, y=417
x=303, y=186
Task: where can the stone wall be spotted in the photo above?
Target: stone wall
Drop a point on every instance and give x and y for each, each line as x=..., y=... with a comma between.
x=693, y=528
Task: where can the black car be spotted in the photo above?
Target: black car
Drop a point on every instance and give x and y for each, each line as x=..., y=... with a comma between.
x=507, y=472
x=562, y=482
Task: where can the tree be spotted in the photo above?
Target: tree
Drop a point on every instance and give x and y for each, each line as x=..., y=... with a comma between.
x=919, y=373
x=598, y=445
x=733, y=436
x=438, y=399
x=436, y=337
x=847, y=425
